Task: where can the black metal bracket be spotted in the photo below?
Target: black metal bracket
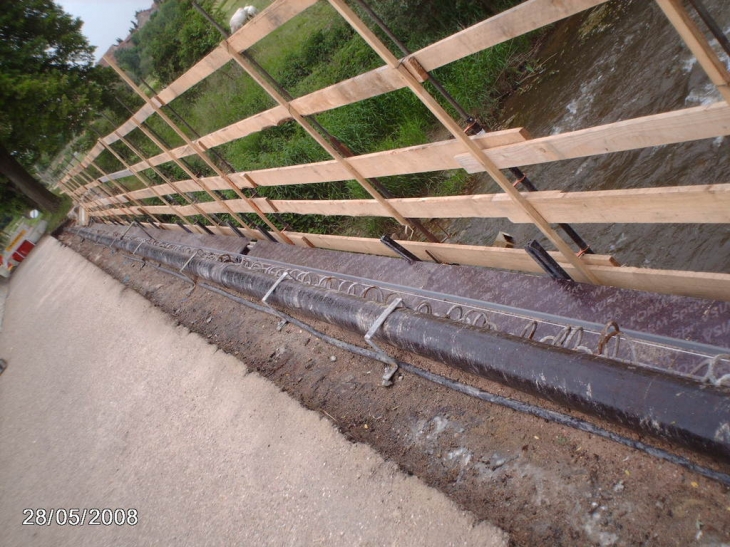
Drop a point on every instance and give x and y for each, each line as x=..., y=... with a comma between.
x=203, y=227
x=546, y=262
x=261, y=228
x=235, y=229
x=399, y=249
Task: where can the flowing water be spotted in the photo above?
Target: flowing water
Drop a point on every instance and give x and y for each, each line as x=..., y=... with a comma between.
x=621, y=62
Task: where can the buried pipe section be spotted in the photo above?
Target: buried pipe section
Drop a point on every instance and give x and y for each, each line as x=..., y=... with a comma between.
x=649, y=401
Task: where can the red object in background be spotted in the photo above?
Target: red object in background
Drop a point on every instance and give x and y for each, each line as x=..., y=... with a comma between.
x=22, y=251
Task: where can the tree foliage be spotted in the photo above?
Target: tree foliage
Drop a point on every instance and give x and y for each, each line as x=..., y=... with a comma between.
x=48, y=85
x=47, y=77
x=175, y=38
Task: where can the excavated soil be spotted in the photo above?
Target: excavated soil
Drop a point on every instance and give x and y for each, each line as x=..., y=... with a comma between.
x=543, y=483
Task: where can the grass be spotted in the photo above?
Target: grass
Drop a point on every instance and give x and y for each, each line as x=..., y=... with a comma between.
x=56, y=219
x=315, y=50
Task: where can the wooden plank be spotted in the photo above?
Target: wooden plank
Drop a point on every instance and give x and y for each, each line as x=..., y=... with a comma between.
x=365, y=86
x=689, y=124
x=702, y=204
x=127, y=127
x=413, y=159
x=712, y=286
x=209, y=64
x=521, y=19
x=274, y=16
x=696, y=41
x=582, y=273
x=278, y=13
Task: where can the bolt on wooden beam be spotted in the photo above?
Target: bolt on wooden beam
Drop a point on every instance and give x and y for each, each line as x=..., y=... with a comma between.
x=583, y=273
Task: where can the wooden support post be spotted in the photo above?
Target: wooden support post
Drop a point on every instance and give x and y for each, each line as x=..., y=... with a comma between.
x=144, y=182
x=583, y=273
x=201, y=154
x=123, y=192
x=696, y=41
x=108, y=210
x=248, y=67
x=84, y=196
x=160, y=174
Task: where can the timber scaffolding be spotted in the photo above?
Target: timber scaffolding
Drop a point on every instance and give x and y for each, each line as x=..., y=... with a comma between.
x=106, y=200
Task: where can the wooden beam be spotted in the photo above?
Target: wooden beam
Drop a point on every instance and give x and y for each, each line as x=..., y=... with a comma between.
x=146, y=183
x=697, y=43
x=324, y=143
x=202, y=154
x=701, y=122
x=701, y=204
x=583, y=273
x=521, y=19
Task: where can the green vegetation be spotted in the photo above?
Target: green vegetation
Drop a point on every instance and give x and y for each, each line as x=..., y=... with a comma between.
x=313, y=51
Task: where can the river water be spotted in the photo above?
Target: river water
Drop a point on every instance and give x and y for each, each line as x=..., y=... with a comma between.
x=623, y=62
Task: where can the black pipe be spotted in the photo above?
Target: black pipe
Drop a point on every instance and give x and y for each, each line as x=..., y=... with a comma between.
x=649, y=401
x=471, y=391
x=712, y=25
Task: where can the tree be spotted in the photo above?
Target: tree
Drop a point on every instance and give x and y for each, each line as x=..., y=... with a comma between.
x=48, y=88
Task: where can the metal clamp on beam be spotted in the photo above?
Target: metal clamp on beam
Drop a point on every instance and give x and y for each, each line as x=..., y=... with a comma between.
x=389, y=371
x=235, y=229
x=399, y=249
x=264, y=232
x=546, y=262
x=204, y=228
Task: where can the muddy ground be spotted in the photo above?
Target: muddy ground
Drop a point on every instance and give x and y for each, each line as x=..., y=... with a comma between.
x=542, y=483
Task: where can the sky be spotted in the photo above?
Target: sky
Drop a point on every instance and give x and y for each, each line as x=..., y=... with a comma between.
x=104, y=20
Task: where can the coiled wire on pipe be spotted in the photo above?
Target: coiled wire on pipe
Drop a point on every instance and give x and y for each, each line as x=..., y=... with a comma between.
x=550, y=415
x=648, y=401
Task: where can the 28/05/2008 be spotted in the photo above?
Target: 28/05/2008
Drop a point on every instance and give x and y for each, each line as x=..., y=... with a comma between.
x=80, y=517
